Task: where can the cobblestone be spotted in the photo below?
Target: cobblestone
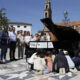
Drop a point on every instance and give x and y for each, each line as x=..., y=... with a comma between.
x=16, y=70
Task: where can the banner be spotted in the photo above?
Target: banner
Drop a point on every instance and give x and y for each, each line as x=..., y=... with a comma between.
x=50, y=45
x=33, y=44
x=41, y=45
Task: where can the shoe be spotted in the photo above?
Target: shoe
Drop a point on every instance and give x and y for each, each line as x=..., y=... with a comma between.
x=21, y=57
x=1, y=62
x=73, y=70
x=4, y=60
x=14, y=59
x=11, y=59
x=38, y=72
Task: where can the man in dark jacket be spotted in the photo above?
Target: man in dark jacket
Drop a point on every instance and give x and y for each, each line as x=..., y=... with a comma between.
x=4, y=44
x=60, y=61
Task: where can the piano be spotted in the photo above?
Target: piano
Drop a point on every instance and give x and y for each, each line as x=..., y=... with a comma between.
x=67, y=38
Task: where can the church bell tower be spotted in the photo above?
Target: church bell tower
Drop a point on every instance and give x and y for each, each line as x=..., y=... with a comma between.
x=47, y=9
x=47, y=12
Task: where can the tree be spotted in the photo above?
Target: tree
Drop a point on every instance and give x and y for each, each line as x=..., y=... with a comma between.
x=3, y=18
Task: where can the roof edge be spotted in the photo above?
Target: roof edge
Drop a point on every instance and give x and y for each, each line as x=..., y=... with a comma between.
x=20, y=23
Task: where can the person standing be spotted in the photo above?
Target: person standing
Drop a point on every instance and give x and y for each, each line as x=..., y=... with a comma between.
x=20, y=39
x=27, y=39
x=48, y=37
x=4, y=44
x=12, y=36
x=43, y=37
x=37, y=37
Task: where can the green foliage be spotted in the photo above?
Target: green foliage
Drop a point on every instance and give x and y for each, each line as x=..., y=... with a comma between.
x=3, y=18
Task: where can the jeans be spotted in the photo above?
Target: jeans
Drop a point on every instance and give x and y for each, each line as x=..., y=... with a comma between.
x=3, y=52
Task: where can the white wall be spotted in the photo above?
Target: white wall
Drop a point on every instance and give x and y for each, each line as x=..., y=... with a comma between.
x=28, y=27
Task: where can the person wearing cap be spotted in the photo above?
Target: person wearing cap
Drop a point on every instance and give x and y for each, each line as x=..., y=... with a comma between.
x=27, y=39
x=4, y=44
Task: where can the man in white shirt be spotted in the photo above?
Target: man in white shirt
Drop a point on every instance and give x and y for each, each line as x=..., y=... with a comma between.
x=12, y=36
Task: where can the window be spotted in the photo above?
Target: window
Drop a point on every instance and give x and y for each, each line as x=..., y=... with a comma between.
x=18, y=26
x=45, y=15
x=25, y=26
x=46, y=6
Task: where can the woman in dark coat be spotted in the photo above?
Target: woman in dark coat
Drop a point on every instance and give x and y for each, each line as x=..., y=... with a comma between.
x=60, y=61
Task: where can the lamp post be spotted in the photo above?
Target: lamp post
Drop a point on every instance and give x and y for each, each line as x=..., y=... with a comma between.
x=66, y=19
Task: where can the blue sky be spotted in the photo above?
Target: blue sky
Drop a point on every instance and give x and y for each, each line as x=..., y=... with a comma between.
x=32, y=11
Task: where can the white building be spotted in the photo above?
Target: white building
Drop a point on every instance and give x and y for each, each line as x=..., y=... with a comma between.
x=20, y=26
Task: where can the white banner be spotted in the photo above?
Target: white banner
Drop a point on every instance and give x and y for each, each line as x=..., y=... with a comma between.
x=50, y=45
x=41, y=45
x=33, y=44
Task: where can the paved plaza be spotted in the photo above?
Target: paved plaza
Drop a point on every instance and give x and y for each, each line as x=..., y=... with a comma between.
x=16, y=70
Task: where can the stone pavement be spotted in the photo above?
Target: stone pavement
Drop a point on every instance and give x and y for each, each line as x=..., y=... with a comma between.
x=16, y=70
